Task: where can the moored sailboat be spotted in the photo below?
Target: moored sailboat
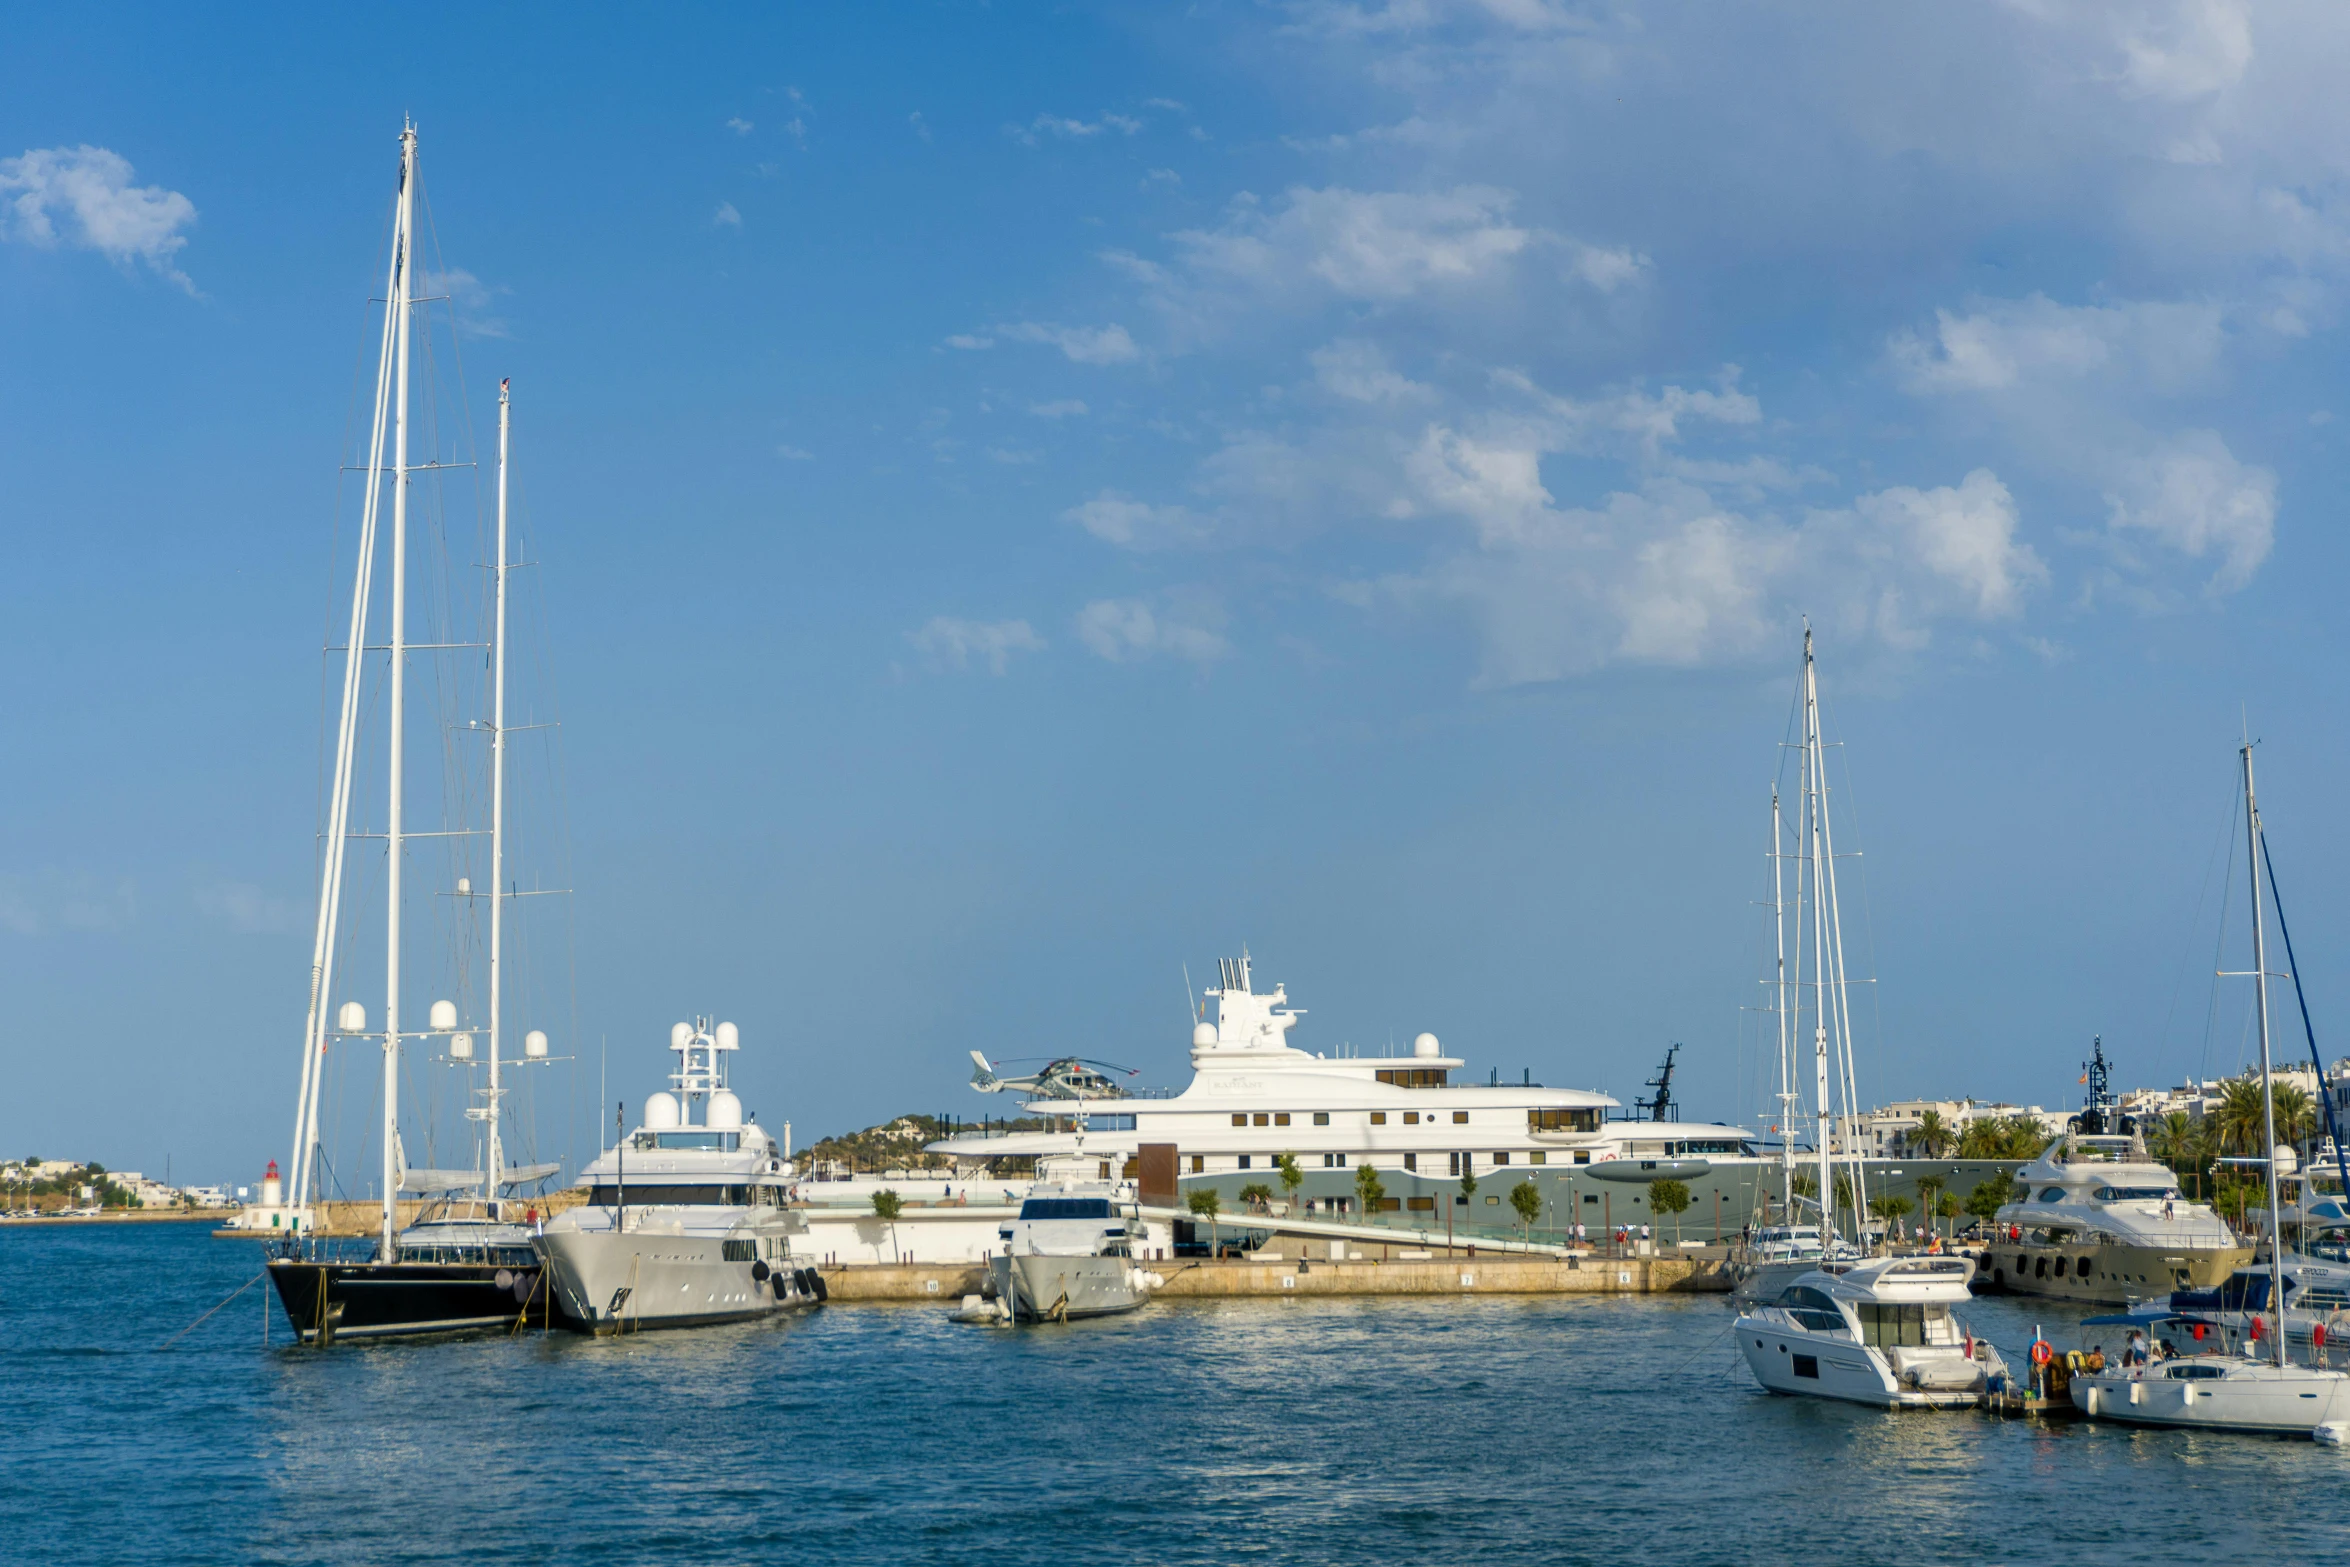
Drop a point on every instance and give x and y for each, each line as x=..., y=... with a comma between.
x=465, y=1262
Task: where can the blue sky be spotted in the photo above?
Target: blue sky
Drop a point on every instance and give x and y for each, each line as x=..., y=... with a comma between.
x=1029, y=498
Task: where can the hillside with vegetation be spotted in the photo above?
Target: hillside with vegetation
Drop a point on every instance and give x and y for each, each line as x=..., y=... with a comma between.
x=897, y=1145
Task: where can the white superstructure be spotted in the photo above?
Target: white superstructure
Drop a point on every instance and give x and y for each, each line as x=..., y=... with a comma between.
x=1254, y=1097
x=685, y=1222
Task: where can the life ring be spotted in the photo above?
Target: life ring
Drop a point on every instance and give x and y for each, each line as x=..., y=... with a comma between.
x=2042, y=1352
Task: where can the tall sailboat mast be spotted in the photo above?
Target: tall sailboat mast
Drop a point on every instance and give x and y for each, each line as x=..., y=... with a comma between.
x=496, y=1168
x=1813, y=807
x=403, y=249
x=2268, y=1103
x=1787, y=1094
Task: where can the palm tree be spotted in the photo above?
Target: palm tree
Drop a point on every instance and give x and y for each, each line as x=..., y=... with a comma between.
x=1931, y=1136
x=2235, y=1120
x=2296, y=1113
x=1258, y=1196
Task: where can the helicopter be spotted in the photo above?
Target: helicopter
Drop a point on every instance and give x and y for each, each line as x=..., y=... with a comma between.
x=1063, y=1077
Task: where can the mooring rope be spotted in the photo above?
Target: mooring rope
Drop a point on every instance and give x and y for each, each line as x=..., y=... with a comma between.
x=215, y=1311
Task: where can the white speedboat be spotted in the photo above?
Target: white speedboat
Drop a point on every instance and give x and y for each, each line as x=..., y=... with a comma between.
x=685, y=1222
x=1069, y=1255
x=1877, y=1332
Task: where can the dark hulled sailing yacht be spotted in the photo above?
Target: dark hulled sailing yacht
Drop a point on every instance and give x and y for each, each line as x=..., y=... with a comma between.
x=466, y=1261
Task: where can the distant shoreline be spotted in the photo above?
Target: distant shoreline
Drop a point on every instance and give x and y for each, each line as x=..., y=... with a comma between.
x=127, y=1216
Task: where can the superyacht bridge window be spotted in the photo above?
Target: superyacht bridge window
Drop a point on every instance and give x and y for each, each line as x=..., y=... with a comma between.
x=1538, y=1156
x=696, y=1137
x=1578, y=1120
x=1066, y=1208
x=1413, y=1078
x=1460, y=1118
x=1411, y=1161
x=1321, y=1118
x=1244, y=1161
x=667, y=1194
x=1411, y=1118
x=1378, y=1118
x=1501, y=1158
x=2137, y=1194
x=1281, y=1118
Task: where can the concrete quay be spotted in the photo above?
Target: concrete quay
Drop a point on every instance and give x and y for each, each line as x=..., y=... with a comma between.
x=1268, y=1277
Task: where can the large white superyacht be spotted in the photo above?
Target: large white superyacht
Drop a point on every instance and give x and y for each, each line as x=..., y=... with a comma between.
x=1254, y=1097
x=685, y=1222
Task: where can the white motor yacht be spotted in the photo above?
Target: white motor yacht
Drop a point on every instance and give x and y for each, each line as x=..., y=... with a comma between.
x=2098, y=1220
x=1876, y=1332
x=1069, y=1255
x=685, y=1222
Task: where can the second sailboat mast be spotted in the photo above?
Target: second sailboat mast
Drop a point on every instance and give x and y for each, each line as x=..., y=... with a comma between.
x=403, y=240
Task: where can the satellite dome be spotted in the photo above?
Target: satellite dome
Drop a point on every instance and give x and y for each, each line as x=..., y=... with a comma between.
x=352, y=1019
x=1426, y=1048
x=729, y=1037
x=2287, y=1162
x=444, y=1016
x=661, y=1112
x=1203, y=1036
x=460, y=1047
x=726, y=1110
x=534, y=1043
x=680, y=1035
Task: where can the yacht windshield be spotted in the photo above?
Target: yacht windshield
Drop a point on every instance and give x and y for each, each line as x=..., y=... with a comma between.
x=2137, y=1194
x=1065, y=1208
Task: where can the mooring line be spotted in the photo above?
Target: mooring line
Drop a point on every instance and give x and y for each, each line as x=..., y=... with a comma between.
x=215, y=1311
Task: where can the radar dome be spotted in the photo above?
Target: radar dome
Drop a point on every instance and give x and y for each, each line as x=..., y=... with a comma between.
x=460, y=1047
x=726, y=1110
x=534, y=1043
x=661, y=1112
x=1203, y=1036
x=729, y=1037
x=2286, y=1162
x=1426, y=1048
x=444, y=1016
x=352, y=1019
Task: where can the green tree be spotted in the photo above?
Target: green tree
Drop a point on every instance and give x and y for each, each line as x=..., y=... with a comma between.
x=887, y=1205
x=2236, y=1119
x=1990, y=1195
x=1369, y=1188
x=1257, y=1197
x=2296, y=1113
x=1206, y=1204
x=1670, y=1196
x=1806, y=1184
x=2172, y=1139
x=1889, y=1206
x=1291, y=1178
x=1932, y=1135
x=1526, y=1198
x=1946, y=1206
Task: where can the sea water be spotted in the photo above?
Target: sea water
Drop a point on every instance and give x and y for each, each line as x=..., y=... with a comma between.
x=1501, y=1429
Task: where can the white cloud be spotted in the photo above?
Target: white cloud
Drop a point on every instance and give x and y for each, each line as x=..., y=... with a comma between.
x=1086, y=345
x=726, y=217
x=2003, y=344
x=962, y=643
x=41, y=901
x=740, y=126
x=471, y=301
x=795, y=454
x=250, y=910
x=83, y=197
x=1965, y=536
x=970, y=343
x=1127, y=630
x=2196, y=497
x=921, y=126
x=1060, y=408
x=1137, y=525
x=1072, y=130
x=1376, y=246
x=1358, y=371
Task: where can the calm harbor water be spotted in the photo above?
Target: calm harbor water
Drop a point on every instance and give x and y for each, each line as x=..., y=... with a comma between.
x=1509, y=1430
